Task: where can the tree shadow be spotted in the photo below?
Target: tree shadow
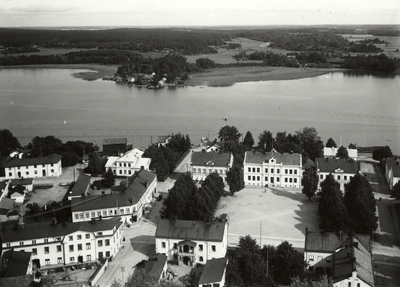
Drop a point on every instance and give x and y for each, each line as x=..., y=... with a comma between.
x=144, y=244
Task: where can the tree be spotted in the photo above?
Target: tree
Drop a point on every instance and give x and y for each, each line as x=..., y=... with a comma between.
x=265, y=141
x=310, y=181
x=229, y=133
x=396, y=190
x=108, y=179
x=248, y=140
x=235, y=179
x=94, y=165
x=304, y=282
x=44, y=146
x=342, y=153
x=142, y=278
x=361, y=205
x=330, y=143
x=8, y=142
x=352, y=146
x=381, y=153
x=310, y=142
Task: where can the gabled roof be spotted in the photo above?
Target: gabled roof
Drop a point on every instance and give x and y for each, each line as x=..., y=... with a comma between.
x=213, y=271
x=115, y=141
x=132, y=195
x=155, y=265
x=16, y=161
x=19, y=189
x=133, y=156
x=22, y=181
x=17, y=263
x=284, y=158
x=46, y=230
x=80, y=185
x=192, y=230
x=330, y=165
x=211, y=159
x=7, y=203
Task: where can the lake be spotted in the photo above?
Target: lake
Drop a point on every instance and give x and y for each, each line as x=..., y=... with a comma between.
x=350, y=107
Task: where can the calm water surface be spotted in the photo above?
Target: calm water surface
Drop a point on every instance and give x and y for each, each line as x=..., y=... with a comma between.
x=349, y=107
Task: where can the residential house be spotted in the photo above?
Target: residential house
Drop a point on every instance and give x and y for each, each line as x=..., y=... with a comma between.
x=214, y=147
x=157, y=266
x=163, y=141
x=345, y=258
x=17, y=167
x=15, y=263
x=25, y=182
x=213, y=274
x=190, y=242
x=392, y=171
x=81, y=187
x=63, y=244
x=341, y=169
x=17, y=193
x=204, y=163
x=272, y=169
x=128, y=163
x=114, y=146
x=332, y=151
x=129, y=204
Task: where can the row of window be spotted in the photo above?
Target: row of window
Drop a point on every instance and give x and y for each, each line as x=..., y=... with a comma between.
x=311, y=258
x=337, y=177
x=272, y=170
x=124, y=164
x=80, y=247
x=257, y=178
x=35, y=166
x=27, y=172
x=210, y=170
x=164, y=245
x=93, y=214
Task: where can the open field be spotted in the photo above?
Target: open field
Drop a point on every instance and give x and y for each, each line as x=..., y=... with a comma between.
x=277, y=214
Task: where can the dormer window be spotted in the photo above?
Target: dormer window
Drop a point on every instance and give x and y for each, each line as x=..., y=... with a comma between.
x=338, y=170
x=209, y=162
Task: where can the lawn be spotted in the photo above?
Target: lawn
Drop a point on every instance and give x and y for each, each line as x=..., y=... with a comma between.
x=277, y=214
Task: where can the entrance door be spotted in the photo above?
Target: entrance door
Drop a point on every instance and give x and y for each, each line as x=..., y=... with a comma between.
x=44, y=173
x=80, y=259
x=36, y=264
x=19, y=174
x=272, y=180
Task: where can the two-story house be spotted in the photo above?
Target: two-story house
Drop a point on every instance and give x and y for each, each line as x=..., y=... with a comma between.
x=331, y=152
x=140, y=189
x=64, y=244
x=341, y=169
x=203, y=163
x=128, y=163
x=17, y=167
x=190, y=242
x=272, y=169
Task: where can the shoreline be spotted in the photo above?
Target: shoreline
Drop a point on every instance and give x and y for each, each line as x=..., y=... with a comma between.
x=217, y=77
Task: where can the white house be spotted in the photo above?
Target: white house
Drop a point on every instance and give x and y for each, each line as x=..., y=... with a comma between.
x=17, y=193
x=64, y=244
x=190, y=242
x=17, y=167
x=392, y=171
x=347, y=259
x=341, y=169
x=214, y=272
x=204, y=163
x=332, y=151
x=129, y=205
x=272, y=169
x=128, y=163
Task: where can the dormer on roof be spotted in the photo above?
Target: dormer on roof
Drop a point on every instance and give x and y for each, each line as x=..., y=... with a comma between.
x=209, y=162
x=338, y=170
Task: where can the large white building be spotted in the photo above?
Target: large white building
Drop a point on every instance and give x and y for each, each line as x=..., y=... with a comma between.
x=341, y=169
x=190, y=242
x=55, y=245
x=332, y=151
x=346, y=259
x=204, y=163
x=17, y=167
x=128, y=163
x=129, y=204
x=272, y=169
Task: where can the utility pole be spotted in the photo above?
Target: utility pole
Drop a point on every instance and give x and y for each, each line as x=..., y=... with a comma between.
x=260, y=233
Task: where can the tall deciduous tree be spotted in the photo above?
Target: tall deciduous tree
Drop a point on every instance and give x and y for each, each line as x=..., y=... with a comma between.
x=265, y=141
x=396, y=190
x=381, y=153
x=330, y=143
x=310, y=182
x=311, y=142
x=94, y=165
x=8, y=142
x=248, y=140
x=229, y=133
x=342, y=153
x=235, y=179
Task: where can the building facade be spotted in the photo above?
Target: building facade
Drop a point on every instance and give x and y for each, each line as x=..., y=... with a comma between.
x=332, y=151
x=272, y=169
x=392, y=171
x=204, y=163
x=128, y=163
x=115, y=146
x=190, y=242
x=129, y=205
x=54, y=245
x=341, y=169
x=49, y=166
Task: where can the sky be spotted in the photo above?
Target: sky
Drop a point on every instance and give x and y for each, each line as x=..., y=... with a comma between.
x=50, y=13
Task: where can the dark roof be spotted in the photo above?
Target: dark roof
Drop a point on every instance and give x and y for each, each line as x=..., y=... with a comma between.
x=284, y=158
x=22, y=181
x=19, y=189
x=156, y=264
x=131, y=196
x=210, y=159
x=115, y=141
x=16, y=161
x=162, y=139
x=3, y=185
x=353, y=257
x=394, y=163
x=46, y=230
x=213, y=271
x=18, y=262
x=80, y=185
x=187, y=229
x=332, y=164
